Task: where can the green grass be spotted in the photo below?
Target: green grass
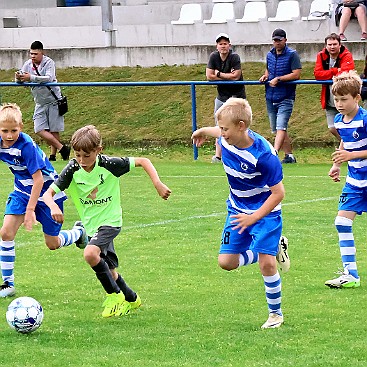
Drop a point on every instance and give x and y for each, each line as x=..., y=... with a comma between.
x=161, y=116
x=193, y=313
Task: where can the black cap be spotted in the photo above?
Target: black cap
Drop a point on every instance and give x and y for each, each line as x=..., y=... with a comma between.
x=279, y=34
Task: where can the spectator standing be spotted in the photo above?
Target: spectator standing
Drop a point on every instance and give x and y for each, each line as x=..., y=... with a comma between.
x=47, y=121
x=352, y=9
x=224, y=64
x=282, y=65
x=332, y=60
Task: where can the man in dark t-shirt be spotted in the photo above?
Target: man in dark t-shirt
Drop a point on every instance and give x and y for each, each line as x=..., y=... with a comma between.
x=224, y=64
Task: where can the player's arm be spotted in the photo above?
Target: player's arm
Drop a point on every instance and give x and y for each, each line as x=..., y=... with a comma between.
x=61, y=184
x=245, y=220
x=48, y=199
x=163, y=191
x=199, y=136
x=30, y=216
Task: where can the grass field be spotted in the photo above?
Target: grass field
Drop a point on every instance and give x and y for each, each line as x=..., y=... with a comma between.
x=193, y=313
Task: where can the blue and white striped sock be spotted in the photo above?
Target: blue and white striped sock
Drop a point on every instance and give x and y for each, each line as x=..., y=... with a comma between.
x=248, y=257
x=273, y=292
x=346, y=243
x=68, y=237
x=7, y=259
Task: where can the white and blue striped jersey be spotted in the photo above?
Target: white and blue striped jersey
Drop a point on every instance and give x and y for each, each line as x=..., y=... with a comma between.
x=24, y=158
x=250, y=172
x=354, y=137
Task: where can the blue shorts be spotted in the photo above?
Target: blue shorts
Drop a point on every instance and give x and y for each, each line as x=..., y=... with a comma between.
x=279, y=114
x=262, y=237
x=17, y=204
x=353, y=202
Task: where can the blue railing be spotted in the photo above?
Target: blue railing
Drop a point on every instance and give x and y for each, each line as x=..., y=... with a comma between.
x=192, y=85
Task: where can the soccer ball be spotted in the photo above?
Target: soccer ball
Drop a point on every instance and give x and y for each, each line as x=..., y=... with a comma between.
x=24, y=315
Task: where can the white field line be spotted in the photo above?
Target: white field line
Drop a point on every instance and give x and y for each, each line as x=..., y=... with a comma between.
x=219, y=214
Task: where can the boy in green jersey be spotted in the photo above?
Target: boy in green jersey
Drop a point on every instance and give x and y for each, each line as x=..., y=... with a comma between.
x=92, y=180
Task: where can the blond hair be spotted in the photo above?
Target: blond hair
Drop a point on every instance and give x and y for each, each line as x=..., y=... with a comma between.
x=236, y=110
x=10, y=112
x=87, y=139
x=348, y=82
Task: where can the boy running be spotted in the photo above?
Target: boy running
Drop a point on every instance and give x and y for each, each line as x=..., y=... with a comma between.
x=351, y=124
x=252, y=232
x=33, y=174
x=93, y=183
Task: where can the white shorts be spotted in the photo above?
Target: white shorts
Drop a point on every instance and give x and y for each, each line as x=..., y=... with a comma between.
x=47, y=118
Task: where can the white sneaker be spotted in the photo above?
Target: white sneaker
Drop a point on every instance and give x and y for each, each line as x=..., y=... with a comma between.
x=282, y=255
x=6, y=290
x=273, y=321
x=216, y=159
x=345, y=280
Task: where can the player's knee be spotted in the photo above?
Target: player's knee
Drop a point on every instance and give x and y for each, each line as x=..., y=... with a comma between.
x=227, y=264
x=268, y=268
x=52, y=244
x=91, y=257
x=7, y=234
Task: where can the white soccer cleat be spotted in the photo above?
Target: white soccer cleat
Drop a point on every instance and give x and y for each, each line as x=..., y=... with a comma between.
x=345, y=280
x=6, y=290
x=282, y=255
x=274, y=321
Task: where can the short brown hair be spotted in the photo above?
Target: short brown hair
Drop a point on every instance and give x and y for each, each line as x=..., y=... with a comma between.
x=348, y=82
x=236, y=109
x=333, y=36
x=87, y=139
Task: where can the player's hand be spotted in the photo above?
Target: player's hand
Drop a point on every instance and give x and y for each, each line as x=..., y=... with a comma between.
x=57, y=215
x=334, y=173
x=340, y=156
x=198, y=139
x=29, y=219
x=163, y=190
x=243, y=221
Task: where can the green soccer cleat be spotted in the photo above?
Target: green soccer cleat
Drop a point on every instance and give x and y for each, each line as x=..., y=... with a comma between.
x=124, y=309
x=136, y=304
x=112, y=304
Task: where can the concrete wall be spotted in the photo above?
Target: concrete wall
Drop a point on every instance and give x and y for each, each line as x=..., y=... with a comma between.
x=161, y=55
x=143, y=34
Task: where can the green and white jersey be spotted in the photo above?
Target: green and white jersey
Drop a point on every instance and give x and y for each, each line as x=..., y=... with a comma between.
x=96, y=194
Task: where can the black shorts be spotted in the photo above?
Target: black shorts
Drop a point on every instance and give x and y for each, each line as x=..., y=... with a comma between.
x=103, y=238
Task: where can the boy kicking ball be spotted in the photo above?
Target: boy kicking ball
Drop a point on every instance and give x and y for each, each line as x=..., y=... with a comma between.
x=93, y=183
x=252, y=231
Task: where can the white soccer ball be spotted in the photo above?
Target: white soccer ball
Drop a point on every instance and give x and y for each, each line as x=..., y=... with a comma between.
x=24, y=315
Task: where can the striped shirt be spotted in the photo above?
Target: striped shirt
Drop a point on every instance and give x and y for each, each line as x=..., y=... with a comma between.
x=250, y=172
x=354, y=137
x=24, y=158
